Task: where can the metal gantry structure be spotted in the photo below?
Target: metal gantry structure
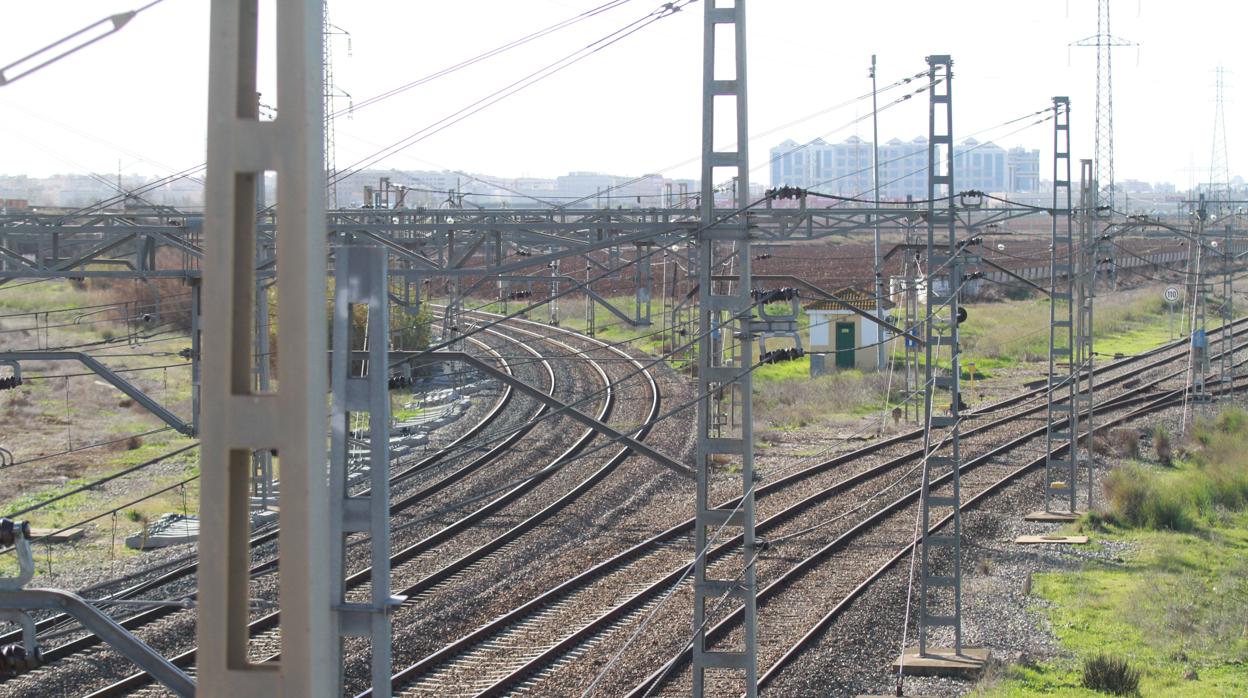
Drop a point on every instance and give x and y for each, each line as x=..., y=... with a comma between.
x=1062, y=428
x=724, y=309
x=250, y=420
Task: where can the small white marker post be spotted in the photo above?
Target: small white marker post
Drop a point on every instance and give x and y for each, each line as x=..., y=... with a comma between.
x=1171, y=296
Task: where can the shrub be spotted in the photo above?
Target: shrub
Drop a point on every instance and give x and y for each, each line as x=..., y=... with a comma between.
x=1094, y=522
x=165, y=299
x=1110, y=674
x=1126, y=491
x=1102, y=446
x=1161, y=443
x=1125, y=443
x=1134, y=499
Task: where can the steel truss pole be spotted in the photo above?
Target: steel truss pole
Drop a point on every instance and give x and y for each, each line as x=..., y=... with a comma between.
x=238, y=419
x=1085, y=284
x=912, y=274
x=877, y=267
x=940, y=596
x=196, y=352
x=1200, y=338
x=359, y=378
x=719, y=450
x=1063, y=420
x=1226, y=365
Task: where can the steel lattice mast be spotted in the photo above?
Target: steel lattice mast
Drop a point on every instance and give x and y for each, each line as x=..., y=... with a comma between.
x=1059, y=478
x=940, y=595
x=1103, y=147
x=724, y=311
x=1219, y=168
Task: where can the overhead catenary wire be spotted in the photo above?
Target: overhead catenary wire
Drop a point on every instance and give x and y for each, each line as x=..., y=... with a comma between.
x=189, y=172
x=666, y=10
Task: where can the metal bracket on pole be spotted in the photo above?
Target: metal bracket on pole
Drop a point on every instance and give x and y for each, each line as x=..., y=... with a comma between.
x=940, y=596
x=237, y=418
x=362, y=386
x=125, y=386
x=16, y=601
x=719, y=449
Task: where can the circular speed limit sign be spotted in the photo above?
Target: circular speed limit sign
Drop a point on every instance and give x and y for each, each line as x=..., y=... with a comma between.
x=1171, y=294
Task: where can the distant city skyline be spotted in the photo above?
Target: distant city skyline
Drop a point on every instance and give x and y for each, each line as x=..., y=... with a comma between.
x=136, y=101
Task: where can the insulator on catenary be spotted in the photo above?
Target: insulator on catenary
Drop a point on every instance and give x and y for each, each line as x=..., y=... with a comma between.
x=773, y=295
x=14, y=657
x=786, y=192
x=517, y=295
x=780, y=355
x=9, y=529
x=10, y=382
x=399, y=382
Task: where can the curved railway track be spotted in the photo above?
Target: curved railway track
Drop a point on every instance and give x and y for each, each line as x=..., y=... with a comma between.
x=181, y=579
x=520, y=650
x=502, y=666
x=418, y=571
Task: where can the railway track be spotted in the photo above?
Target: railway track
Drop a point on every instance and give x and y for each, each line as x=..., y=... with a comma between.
x=181, y=580
x=824, y=581
x=416, y=563
x=670, y=546
x=520, y=650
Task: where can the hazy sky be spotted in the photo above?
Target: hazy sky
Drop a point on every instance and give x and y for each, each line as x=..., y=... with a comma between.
x=138, y=98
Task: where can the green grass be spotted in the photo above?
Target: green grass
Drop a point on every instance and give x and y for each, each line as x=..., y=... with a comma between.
x=1177, y=604
x=786, y=371
x=1126, y=322
x=98, y=415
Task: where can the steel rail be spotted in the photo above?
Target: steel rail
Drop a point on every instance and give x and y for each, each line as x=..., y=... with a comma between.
x=137, y=620
x=777, y=585
x=268, y=622
x=533, y=606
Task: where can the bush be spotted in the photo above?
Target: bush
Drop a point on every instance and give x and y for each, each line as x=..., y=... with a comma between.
x=1161, y=443
x=1135, y=500
x=1125, y=443
x=1102, y=446
x=1110, y=674
x=165, y=300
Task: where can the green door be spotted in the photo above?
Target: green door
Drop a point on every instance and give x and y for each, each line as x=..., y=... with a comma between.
x=844, y=345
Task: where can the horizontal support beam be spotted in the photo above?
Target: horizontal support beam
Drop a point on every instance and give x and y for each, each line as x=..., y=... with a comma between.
x=106, y=628
x=107, y=374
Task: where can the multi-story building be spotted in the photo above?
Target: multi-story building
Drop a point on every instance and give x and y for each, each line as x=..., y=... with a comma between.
x=903, y=169
x=979, y=166
x=845, y=168
x=790, y=165
x=1023, y=170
